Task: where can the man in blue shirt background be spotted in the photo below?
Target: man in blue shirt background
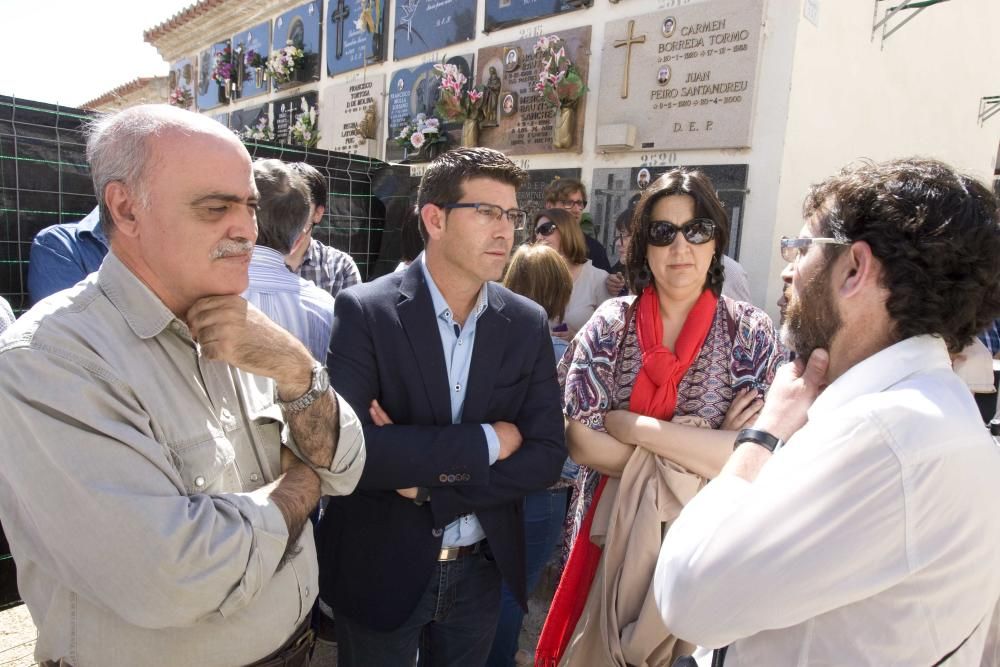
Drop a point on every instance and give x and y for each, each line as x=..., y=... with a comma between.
x=63, y=255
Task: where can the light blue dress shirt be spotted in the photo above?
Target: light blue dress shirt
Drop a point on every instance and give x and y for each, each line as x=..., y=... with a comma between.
x=292, y=302
x=457, y=343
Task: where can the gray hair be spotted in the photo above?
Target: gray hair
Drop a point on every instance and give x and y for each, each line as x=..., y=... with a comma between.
x=284, y=206
x=118, y=149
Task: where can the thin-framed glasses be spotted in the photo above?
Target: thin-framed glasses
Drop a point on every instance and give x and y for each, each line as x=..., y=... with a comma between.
x=793, y=248
x=491, y=213
x=573, y=203
x=545, y=229
x=696, y=231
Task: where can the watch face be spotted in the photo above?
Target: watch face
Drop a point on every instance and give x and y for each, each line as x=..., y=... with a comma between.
x=320, y=379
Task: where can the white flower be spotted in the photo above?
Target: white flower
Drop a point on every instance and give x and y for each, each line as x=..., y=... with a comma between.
x=417, y=139
x=430, y=129
x=421, y=117
x=359, y=24
x=432, y=122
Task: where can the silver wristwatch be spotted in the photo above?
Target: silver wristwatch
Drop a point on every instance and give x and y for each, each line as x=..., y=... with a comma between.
x=317, y=387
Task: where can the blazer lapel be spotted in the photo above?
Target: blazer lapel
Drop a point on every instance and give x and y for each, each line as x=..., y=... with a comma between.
x=487, y=357
x=416, y=313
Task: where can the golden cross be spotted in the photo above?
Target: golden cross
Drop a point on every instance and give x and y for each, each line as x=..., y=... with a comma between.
x=628, y=42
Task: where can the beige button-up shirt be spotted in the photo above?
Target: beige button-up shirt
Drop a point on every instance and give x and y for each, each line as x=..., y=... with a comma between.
x=129, y=486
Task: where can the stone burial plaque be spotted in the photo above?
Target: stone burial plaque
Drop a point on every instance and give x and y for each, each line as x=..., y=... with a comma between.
x=181, y=81
x=210, y=93
x=530, y=195
x=683, y=78
x=614, y=190
x=355, y=34
x=426, y=25
x=506, y=13
x=302, y=27
x=244, y=121
x=253, y=45
x=524, y=122
x=416, y=90
x=353, y=109
x=287, y=110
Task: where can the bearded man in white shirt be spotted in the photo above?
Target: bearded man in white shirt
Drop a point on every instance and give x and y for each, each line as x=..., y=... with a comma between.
x=872, y=537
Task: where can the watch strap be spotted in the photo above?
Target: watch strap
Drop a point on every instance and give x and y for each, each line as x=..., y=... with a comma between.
x=423, y=495
x=316, y=389
x=759, y=437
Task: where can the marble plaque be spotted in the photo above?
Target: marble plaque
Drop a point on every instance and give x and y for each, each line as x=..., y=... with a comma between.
x=529, y=195
x=355, y=34
x=416, y=90
x=505, y=13
x=614, y=190
x=210, y=93
x=348, y=116
x=253, y=45
x=286, y=111
x=685, y=78
x=525, y=123
x=302, y=27
x=426, y=25
x=181, y=78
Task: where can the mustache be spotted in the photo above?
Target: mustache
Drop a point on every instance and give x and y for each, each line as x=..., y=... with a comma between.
x=232, y=249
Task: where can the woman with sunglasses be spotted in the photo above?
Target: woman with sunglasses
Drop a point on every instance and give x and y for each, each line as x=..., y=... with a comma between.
x=556, y=228
x=669, y=376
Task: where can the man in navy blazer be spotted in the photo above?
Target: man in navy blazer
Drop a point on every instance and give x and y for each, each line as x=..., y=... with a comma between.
x=454, y=378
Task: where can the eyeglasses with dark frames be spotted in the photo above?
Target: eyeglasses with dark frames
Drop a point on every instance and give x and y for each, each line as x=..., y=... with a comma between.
x=518, y=218
x=696, y=231
x=572, y=203
x=794, y=247
x=545, y=229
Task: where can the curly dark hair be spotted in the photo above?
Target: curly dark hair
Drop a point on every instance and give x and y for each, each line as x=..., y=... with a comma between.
x=444, y=180
x=696, y=185
x=936, y=233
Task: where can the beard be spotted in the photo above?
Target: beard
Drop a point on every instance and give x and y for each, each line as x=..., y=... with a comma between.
x=811, y=319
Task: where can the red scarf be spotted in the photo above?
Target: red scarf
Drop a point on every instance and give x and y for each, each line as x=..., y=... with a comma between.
x=654, y=395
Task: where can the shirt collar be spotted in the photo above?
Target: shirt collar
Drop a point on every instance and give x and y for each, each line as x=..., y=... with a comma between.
x=146, y=315
x=268, y=258
x=882, y=370
x=92, y=225
x=441, y=307
x=312, y=253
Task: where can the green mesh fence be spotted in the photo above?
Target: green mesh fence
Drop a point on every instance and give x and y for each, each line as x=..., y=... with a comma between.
x=44, y=180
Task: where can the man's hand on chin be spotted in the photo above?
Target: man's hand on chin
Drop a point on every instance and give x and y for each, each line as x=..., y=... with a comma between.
x=230, y=329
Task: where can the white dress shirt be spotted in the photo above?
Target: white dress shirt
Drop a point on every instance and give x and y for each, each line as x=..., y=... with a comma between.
x=871, y=538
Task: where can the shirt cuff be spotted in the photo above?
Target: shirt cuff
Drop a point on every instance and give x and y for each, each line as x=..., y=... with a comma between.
x=492, y=442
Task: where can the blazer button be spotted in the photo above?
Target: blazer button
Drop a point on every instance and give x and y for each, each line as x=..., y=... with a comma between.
x=451, y=478
x=442, y=478
x=437, y=532
x=466, y=477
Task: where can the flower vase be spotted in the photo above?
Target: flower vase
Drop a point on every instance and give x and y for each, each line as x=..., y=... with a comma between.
x=470, y=133
x=223, y=93
x=430, y=151
x=565, y=128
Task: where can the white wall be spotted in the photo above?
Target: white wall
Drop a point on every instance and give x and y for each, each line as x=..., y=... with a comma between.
x=916, y=93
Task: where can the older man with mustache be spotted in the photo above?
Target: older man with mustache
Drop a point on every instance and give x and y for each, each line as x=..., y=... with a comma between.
x=153, y=513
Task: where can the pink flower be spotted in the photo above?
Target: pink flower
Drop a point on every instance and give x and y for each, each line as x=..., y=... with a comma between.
x=417, y=139
x=475, y=96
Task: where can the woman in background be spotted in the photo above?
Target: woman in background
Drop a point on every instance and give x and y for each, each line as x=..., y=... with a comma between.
x=555, y=228
x=539, y=273
x=669, y=375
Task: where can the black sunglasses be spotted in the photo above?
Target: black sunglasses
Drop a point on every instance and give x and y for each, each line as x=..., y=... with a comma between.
x=545, y=229
x=697, y=231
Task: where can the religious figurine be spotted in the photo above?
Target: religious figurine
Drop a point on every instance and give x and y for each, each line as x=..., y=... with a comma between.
x=491, y=98
x=368, y=125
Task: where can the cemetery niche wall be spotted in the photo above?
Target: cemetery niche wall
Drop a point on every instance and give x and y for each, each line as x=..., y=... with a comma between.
x=45, y=180
x=428, y=25
x=355, y=34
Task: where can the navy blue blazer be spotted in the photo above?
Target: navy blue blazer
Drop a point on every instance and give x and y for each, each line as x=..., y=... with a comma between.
x=377, y=549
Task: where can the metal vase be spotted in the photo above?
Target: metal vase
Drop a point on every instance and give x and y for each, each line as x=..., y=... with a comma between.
x=565, y=128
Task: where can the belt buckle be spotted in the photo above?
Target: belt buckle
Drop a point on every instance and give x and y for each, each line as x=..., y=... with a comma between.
x=448, y=554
